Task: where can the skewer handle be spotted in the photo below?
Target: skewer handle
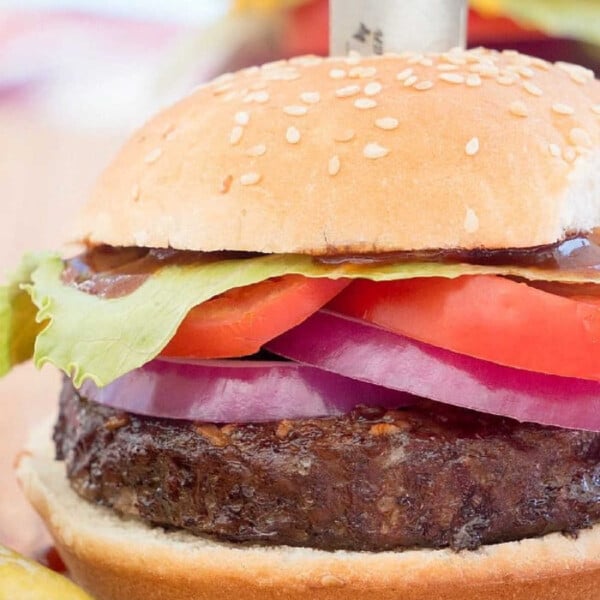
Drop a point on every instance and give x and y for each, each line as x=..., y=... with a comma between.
x=380, y=26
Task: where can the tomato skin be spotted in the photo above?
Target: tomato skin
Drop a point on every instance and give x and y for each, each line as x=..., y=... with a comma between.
x=488, y=317
x=240, y=321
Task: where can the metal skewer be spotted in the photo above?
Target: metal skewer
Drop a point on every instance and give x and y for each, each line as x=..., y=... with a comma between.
x=380, y=26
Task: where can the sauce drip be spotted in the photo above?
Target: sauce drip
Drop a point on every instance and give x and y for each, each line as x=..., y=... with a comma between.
x=573, y=254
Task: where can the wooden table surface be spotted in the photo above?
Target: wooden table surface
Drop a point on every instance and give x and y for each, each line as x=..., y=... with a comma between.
x=45, y=174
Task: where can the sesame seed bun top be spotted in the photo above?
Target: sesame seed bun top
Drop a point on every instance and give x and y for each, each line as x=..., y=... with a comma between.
x=457, y=150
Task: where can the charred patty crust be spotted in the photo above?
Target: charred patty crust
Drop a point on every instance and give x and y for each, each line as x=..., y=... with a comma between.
x=430, y=476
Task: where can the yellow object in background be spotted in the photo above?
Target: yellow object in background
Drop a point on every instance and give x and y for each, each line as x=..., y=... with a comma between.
x=488, y=8
x=265, y=6
x=22, y=579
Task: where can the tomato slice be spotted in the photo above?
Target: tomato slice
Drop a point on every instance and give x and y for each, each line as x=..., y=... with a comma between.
x=240, y=321
x=488, y=317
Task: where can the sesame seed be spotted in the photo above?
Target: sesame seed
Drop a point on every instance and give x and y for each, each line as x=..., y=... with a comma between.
x=519, y=109
x=287, y=74
x=415, y=59
x=261, y=96
x=423, y=85
x=474, y=55
x=471, y=222
x=295, y=110
x=374, y=150
x=153, y=156
x=250, y=70
x=570, y=154
x=426, y=62
x=310, y=97
x=447, y=67
x=362, y=72
x=511, y=70
x=452, y=77
x=526, y=72
x=337, y=73
x=334, y=165
x=292, y=135
x=344, y=136
x=387, y=123
x=236, y=135
x=577, y=73
x=365, y=103
x=307, y=60
x=473, y=80
x=580, y=137
x=472, y=146
x=257, y=150
x=506, y=80
x=578, y=77
x=223, y=78
x=565, y=66
x=454, y=59
x=540, y=63
x=274, y=64
x=554, y=150
x=250, y=178
x=522, y=59
x=596, y=108
x=349, y=90
x=404, y=75
x=533, y=89
x=373, y=88
x=484, y=70
x=410, y=81
x=221, y=89
x=242, y=117
x=562, y=109
x=135, y=192
x=258, y=85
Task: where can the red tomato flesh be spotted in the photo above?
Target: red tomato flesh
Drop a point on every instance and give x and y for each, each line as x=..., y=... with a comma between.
x=240, y=321
x=488, y=317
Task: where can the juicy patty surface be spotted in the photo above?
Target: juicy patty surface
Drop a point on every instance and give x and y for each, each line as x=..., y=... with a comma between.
x=429, y=476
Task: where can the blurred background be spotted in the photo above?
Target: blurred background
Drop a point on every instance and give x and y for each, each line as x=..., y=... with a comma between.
x=77, y=76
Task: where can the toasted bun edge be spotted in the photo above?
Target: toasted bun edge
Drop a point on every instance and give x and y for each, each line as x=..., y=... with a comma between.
x=117, y=559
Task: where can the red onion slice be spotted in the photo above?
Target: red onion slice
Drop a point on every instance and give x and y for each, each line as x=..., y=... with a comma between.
x=235, y=391
x=365, y=352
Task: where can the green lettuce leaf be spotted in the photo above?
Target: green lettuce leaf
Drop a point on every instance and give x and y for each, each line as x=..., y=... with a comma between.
x=567, y=18
x=101, y=339
x=18, y=326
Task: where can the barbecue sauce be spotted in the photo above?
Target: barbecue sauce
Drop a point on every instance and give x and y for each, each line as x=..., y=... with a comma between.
x=111, y=272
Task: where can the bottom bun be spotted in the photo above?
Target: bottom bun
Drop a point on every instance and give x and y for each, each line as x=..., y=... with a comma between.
x=116, y=559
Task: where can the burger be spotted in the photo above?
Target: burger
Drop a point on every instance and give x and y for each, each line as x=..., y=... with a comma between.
x=334, y=334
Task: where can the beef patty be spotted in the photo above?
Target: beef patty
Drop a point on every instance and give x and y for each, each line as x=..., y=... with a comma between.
x=430, y=476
